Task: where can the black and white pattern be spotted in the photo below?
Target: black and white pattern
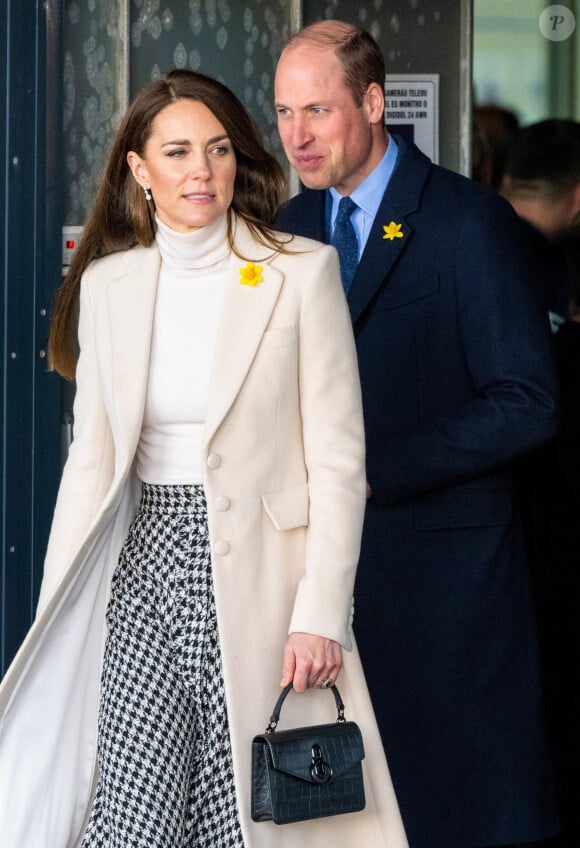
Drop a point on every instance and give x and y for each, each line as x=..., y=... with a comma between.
x=166, y=777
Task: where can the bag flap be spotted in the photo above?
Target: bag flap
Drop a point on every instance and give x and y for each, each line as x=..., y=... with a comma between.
x=341, y=746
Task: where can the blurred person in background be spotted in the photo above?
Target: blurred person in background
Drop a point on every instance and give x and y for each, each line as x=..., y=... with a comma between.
x=542, y=176
x=542, y=183
x=549, y=481
x=494, y=130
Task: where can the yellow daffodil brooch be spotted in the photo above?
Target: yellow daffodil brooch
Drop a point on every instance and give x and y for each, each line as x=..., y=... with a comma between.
x=251, y=275
x=393, y=231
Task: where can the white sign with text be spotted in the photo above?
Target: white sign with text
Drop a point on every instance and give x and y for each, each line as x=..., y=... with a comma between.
x=412, y=109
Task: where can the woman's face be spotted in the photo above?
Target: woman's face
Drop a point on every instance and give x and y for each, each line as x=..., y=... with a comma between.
x=189, y=165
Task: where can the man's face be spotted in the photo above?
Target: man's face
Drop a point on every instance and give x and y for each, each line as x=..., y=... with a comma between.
x=557, y=216
x=327, y=138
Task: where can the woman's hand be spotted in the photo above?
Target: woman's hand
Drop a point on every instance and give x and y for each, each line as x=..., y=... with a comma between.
x=310, y=661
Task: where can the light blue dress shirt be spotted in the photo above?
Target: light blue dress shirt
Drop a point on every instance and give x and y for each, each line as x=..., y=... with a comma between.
x=367, y=196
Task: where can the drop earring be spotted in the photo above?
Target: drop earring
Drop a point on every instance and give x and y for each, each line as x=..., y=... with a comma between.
x=147, y=192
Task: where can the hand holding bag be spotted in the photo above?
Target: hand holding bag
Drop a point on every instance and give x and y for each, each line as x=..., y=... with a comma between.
x=307, y=772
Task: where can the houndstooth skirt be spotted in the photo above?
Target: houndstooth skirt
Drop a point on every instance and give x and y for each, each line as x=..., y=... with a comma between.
x=165, y=762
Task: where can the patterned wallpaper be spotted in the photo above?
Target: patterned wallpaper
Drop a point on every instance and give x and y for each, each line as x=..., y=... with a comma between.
x=112, y=47
x=94, y=53
x=236, y=42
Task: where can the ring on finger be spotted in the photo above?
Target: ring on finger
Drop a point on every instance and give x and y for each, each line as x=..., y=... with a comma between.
x=326, y=682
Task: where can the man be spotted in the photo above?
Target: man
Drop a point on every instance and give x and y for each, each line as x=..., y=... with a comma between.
x=542, y=183
x=457, y=382
x=542, y=176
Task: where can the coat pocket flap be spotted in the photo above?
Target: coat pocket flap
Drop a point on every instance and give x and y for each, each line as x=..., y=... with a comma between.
x=288, y=508
x=398, y=293
x=336, y=748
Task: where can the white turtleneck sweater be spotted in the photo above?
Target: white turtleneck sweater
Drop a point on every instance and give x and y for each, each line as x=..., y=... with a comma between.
x=190, y=292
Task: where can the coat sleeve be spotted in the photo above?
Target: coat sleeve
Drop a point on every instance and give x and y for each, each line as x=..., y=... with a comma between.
x=89, y=467
x=333, y=435
x=507, y=352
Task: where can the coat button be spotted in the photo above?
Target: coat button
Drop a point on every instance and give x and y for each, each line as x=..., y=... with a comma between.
x=221, y=548
x=214, y=460
x=222, y=503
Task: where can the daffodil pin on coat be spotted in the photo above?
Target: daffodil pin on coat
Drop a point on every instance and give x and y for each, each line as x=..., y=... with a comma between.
x=393, y=231
x=251, y=275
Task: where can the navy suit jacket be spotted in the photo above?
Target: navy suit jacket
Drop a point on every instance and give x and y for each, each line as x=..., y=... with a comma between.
x=458, y=382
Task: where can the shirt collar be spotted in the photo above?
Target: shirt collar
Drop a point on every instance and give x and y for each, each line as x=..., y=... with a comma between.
x=369, y=193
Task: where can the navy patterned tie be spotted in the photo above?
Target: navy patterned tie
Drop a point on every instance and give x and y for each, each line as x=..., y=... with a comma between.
x=344, y=239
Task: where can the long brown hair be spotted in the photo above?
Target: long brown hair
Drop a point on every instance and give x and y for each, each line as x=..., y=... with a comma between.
x=121, y=217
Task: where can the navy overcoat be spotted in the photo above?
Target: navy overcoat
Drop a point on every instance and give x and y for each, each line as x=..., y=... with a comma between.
x=457, y=381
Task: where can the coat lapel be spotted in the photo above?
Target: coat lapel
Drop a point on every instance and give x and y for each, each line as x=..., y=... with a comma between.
x=400, y=200
x=245, y=316
x=131, y=303
x=378, y=258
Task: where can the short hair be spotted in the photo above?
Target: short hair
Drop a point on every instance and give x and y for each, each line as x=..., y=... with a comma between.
x=545, y=157
x=358, y=53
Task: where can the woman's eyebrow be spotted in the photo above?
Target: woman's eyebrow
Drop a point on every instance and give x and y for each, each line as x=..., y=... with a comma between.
x=185, y=141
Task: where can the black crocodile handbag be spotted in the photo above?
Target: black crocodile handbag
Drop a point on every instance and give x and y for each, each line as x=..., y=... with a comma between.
x=307, y=772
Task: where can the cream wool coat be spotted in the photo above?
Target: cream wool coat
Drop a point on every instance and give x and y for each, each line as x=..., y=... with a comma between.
x=285, y=484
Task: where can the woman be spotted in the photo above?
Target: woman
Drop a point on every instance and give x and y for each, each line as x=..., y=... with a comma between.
x=211, y=503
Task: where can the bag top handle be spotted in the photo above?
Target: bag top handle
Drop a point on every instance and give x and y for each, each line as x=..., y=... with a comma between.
x=275, y=717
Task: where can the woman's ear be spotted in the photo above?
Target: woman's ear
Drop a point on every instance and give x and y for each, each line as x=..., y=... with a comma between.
x=138, y=168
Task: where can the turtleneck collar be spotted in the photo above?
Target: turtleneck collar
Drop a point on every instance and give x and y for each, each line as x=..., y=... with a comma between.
x=197, y=249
